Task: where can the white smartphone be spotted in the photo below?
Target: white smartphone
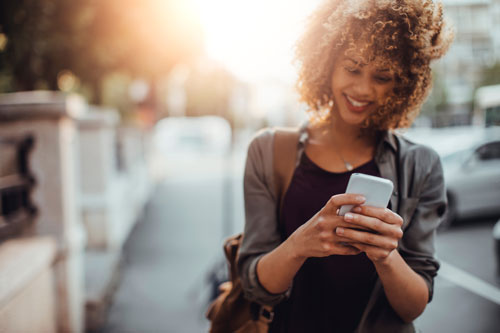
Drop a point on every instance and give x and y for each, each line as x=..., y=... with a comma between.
x=376, y=190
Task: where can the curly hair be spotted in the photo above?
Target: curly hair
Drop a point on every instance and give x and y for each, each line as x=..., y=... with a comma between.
x=406, y=34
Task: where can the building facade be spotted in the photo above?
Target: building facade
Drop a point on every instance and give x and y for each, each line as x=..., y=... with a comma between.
x=476, y=47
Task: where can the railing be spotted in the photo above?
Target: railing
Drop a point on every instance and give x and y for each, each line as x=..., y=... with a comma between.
x=16, y=183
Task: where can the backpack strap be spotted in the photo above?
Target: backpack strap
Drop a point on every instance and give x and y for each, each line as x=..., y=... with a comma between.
x=284, y=159
x=230, y=310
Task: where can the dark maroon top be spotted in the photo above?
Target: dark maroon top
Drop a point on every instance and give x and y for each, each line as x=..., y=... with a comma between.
x=329, y=294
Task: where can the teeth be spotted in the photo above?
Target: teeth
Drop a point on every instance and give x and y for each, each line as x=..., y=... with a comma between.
x=356, y=103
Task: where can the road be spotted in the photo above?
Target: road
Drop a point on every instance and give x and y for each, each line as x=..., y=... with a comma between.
x=172, y=250
x=467, y=291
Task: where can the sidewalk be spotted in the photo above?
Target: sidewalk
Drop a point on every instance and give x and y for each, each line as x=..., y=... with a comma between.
x=163, y=286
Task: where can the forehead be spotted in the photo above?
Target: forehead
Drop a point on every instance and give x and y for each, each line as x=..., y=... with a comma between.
x=365, y=56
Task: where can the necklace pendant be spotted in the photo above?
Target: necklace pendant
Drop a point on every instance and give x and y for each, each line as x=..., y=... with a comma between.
x=348, y=166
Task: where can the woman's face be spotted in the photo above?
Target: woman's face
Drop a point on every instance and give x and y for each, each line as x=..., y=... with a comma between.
x=359, y=88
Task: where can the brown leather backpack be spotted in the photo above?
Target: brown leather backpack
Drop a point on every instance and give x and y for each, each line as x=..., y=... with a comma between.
x=231, y=311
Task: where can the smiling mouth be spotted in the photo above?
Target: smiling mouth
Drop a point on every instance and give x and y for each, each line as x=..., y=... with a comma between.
x=356, y=105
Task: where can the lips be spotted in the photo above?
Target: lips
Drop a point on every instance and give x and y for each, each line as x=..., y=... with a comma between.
x=356, y=105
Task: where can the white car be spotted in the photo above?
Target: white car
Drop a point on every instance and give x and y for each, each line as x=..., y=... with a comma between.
x=187, y=146
x=207, y=135
x=471, y=164
x=472, y=179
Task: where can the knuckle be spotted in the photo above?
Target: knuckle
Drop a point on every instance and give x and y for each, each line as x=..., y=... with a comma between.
x=400, y=221
x=369, y=238
x=378, y=225
x=324, y=236
x=387, y=213
x=334, y=198
x=321, y=223
x=327, y=248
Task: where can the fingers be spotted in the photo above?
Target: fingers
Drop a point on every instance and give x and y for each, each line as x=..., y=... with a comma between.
x=339, y=200
x=372, y=252
x=383, y=214
x=343, y=246
x=332, y=243
x=380, y=241
x=325, y=225
x=358, y=221
x=349, y=250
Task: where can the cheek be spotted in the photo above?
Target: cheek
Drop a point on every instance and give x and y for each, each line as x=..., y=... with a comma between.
x=384, y=93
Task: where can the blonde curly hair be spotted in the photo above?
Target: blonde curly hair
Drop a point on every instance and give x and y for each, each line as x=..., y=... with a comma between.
x=406, y=34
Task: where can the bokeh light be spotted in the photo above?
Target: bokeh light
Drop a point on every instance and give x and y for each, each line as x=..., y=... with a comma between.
x=253, y=39
x=67, y=81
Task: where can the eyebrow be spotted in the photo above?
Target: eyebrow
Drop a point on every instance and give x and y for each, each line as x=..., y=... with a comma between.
x=354, y=61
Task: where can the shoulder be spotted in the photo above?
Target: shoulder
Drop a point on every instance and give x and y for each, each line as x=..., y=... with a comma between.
x=262, y=137
x=261, y=144
x=417, y=153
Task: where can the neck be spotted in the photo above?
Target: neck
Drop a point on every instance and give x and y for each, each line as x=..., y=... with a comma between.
x=345, y=135
x=336, y=146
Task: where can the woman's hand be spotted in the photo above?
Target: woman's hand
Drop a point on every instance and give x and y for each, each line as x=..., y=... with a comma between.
x=317, y=237
x=386, y=227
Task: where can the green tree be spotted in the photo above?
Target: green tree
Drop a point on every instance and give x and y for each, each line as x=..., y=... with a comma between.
x=92, y=39
x=491, y=75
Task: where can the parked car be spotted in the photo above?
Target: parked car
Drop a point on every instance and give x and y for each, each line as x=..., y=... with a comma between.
x=207, y=135
x=472, y=178
x=496, y=239
x=183, y=145
x=471, y=164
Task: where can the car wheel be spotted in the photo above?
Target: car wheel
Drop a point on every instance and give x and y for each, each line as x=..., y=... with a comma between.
x=496, y=237
x=451, y=213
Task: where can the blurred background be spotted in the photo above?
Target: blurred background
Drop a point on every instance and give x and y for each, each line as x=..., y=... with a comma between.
x=123, y=134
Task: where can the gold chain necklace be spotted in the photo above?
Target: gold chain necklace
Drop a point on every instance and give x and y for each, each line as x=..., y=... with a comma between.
x=347, y=165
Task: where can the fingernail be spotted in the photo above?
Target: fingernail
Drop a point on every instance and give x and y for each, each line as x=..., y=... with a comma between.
x=348, y=217
x=340, y=230
x=357, y=209
x=360, y=198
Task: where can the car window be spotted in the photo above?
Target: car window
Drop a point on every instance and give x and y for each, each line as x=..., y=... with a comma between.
x=490, y=151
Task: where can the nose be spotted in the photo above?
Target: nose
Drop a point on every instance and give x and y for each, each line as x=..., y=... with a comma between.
x=363, y=88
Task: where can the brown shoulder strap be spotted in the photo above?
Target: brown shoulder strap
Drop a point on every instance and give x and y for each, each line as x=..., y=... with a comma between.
x=284, y=159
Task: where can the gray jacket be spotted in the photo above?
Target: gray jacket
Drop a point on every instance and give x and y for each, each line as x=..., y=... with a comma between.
x=419, y=198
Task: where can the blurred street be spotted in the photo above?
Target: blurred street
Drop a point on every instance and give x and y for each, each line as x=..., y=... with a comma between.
x=124, y=128
x=169, y=254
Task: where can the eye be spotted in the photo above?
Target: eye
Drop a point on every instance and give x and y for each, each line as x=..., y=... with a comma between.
x=383, y=79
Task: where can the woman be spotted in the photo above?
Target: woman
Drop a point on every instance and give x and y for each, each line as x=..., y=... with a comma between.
x=363, y=71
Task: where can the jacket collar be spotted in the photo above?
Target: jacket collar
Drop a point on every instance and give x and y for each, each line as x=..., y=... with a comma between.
x=389, y=138
x=385, y=138
x=385, y=158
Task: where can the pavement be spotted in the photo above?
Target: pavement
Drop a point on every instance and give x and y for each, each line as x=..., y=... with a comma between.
x=172, y=249
x=164, y=285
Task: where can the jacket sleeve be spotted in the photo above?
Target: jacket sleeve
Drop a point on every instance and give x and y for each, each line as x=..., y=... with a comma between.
x=261, y=233
x=425, y=211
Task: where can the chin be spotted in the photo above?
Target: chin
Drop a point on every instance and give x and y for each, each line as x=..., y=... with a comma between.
x=353, y=119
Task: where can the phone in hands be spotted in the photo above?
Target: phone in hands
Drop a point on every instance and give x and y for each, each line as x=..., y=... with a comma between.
x=376, y=190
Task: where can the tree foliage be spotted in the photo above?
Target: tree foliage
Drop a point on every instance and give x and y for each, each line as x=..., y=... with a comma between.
x=92, y=38
x=491, y=75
